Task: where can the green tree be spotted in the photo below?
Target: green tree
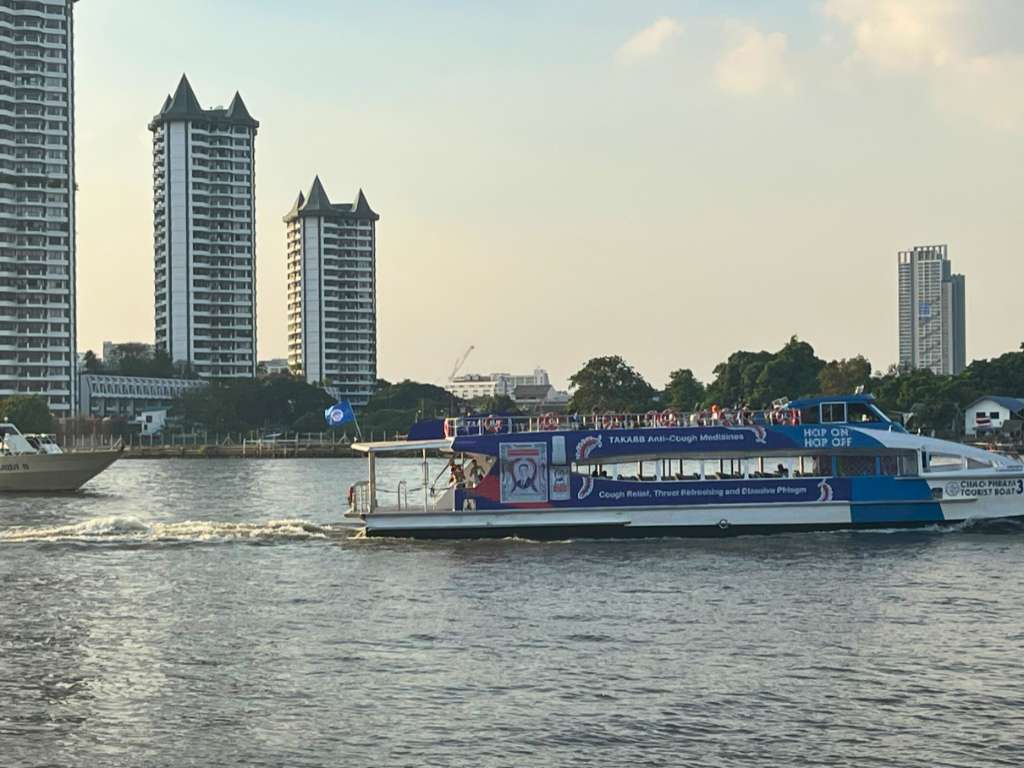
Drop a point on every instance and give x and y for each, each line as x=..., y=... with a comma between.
x=496, y=404
x=757, y=378
x=683, y=391
x=394, y=408
x=91, y=362
x=609, y=384
x=736, y=378
x=29, y=413
x=842, y=377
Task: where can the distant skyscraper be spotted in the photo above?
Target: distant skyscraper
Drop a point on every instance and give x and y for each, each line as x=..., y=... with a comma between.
x=932, y=320
x=204, y=240
x=37, y=202
x=332, y=299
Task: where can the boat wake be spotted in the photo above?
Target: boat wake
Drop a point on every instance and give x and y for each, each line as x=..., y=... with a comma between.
x=131, y=530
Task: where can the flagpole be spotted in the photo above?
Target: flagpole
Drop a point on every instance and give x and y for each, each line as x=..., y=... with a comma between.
x=354, y=419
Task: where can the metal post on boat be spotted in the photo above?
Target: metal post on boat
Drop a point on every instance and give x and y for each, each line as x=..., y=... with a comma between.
x=373, y=482
x=426, y=482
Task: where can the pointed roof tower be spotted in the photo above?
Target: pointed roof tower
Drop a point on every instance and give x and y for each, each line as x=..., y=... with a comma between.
x=362, y=208
x=167, y=103
x=294, y=212
x=317, y=200
x=184, y=101
x=237, y=112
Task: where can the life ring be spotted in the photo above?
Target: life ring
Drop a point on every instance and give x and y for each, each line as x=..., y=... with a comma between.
x=447, y=427
x=491, y=424
x=611, y=421
x=549, y=421
x=794, y=417
x=651, y=418
x=668, y=418
x=725, y=418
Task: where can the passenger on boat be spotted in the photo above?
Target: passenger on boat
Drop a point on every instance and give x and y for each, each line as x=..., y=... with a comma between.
x=475, y=473
x=456, y=477
x=781, y=471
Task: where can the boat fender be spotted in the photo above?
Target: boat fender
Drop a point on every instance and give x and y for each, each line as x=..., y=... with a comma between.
x=723, y=523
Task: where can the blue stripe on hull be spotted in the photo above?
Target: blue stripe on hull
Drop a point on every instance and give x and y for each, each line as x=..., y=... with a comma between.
x=616, y=531
x=892, y=514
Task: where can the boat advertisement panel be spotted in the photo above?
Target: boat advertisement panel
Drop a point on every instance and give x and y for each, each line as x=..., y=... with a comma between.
x=595, y=446
x=524, y=473
x=601, y=492
x=608, y=443
x=561, y=484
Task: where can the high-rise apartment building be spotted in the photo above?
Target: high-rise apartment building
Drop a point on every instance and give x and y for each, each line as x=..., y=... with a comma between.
x=204, y=206
x=332, y=300
x=37, y=202
x=932, y=320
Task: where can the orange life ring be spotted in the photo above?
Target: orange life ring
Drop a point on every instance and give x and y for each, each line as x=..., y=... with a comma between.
x=611, y=421
x=668, y=418
x=447, y=427
x=549, y=421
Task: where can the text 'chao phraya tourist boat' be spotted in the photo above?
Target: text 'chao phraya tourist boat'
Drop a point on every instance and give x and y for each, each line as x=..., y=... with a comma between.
x=812, y=464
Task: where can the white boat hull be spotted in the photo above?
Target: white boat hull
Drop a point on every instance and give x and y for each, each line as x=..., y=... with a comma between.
x=45, y=473
x=703, y=520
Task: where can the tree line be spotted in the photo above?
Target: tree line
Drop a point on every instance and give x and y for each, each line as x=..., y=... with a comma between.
x=927, y=401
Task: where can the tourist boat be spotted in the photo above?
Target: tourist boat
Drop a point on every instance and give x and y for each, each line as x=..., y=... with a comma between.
x=37, y=463
x=811, y=464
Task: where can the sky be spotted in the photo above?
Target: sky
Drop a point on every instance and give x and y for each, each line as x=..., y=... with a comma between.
x=666, y=181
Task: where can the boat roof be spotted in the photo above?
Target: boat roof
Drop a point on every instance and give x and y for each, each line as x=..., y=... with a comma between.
x=395, y=446
x=809, y=402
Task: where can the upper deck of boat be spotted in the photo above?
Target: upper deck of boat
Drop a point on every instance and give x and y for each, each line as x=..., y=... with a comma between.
x=855, y=410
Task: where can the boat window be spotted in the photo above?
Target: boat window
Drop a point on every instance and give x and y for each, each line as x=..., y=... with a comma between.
x=890, y=466
x=942, y=462
x=855, y=466
x=908, y=464
x=861, y=413
x=809, y=415
x=833, y=413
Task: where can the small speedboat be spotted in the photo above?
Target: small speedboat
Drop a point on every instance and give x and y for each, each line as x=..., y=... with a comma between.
x=36, y=463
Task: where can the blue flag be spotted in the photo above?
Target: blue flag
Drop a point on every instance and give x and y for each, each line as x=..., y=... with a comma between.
x=339, y=413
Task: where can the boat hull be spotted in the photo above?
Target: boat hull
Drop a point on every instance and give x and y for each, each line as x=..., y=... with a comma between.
x=50, y=473
x=690, y=521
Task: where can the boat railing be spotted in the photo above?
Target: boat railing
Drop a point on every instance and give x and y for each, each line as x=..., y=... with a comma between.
x=665, y=419
x=359, y=498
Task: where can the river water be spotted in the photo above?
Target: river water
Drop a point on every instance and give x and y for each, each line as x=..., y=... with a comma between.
x=206, y=613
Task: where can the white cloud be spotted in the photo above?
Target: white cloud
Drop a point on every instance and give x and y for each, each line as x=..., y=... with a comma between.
x=932, y=39
x=900, y=35
x=754, y=61
x=650, y=40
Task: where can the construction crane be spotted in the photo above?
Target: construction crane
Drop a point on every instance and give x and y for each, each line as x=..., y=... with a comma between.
x=459, y=363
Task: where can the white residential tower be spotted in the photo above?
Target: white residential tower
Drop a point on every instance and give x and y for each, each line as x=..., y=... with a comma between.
x=204, y=206
x=332, y=300
x=932, y=316
x=37, y=202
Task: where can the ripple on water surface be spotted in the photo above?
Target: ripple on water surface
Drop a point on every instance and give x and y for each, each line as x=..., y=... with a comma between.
x=138, y=626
